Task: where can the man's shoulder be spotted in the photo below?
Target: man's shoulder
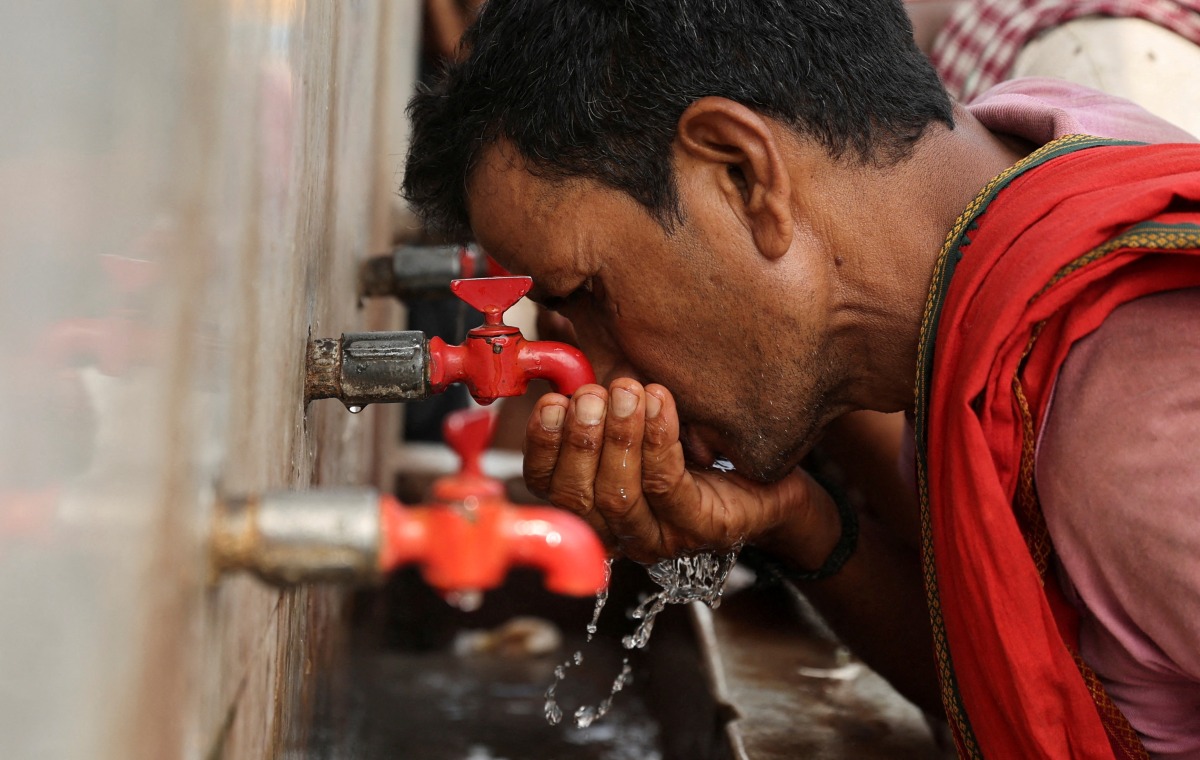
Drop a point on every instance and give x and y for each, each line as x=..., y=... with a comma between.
x=1040, y=109
x=1120, y=489
x=1130, y=372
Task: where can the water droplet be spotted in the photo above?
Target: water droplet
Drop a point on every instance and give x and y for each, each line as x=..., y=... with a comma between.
x=553, y=712
x=465, y=600
x=355, y=409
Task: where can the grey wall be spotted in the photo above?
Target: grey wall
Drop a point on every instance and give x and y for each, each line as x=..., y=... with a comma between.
x=185, y=189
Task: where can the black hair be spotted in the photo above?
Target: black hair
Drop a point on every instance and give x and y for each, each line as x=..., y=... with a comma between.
x=595, y=89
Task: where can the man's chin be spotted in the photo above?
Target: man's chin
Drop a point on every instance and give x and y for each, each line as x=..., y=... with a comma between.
x=759, y=466
x=768, y=466
x=766, y=475
x=717, y=461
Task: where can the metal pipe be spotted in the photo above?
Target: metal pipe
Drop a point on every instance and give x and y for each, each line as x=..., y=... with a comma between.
x=422, y=272
x=368, y=368
x=412, y=272
x=300, y=536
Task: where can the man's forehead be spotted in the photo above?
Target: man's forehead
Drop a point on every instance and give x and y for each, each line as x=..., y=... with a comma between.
x=542, y=225
x=525, y=221
x=503, y=175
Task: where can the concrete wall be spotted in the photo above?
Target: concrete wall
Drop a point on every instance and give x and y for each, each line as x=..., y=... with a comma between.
x=185, y=189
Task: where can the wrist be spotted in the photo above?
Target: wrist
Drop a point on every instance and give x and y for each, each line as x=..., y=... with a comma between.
x=808, y=525
x=817, y=536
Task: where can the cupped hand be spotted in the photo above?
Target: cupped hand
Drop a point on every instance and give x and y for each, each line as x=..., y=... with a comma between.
x=613, y=457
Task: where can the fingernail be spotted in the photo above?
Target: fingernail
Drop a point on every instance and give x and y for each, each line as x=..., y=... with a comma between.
x=589, y=409
x=552, y=417
x=623, y=403
x=653, y=406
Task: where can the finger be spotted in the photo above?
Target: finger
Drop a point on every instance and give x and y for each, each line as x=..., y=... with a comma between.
x=572, y=484
x=618, y=491
x=543, y=436
x=669, y=489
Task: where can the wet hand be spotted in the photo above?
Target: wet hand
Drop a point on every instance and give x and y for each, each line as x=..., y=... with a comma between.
x=613, y=457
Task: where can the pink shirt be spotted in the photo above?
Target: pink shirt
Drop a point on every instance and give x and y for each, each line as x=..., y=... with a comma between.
x=1040, y=109
x=1119, y=481
x=1118, y=465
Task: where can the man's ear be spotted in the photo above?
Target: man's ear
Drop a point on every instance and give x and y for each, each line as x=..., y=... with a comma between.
x=735, y=148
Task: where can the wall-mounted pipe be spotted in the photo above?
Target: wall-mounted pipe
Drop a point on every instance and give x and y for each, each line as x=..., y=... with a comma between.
x=292, y=537
x=368, y=368
x=420, y=272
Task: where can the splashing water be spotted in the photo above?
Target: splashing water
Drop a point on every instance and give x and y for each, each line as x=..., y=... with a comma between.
x=684, y=579
x=553, y=712
x=586, y=716
x=601, y=598
x=700, y=578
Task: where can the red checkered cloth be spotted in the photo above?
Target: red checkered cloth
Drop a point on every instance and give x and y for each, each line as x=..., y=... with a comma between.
x=982, y=39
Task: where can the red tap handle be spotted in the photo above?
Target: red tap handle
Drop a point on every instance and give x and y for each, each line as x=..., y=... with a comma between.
x=492, y=295
x=469, y=432
x=495, y=270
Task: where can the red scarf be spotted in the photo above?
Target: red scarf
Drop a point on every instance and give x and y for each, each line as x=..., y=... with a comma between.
x=1045, y=253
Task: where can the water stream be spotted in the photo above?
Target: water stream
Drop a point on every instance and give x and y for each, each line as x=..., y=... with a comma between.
x=699, y=578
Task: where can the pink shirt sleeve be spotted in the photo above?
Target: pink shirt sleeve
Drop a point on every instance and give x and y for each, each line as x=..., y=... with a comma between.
x=1118, y=474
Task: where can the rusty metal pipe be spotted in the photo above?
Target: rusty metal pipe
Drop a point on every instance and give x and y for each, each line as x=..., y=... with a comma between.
x=368, y=368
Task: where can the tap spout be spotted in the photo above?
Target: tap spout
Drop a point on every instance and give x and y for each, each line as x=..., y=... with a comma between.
x=471, y=546
x=494, y=364
x=562, y=546
x=564, y=366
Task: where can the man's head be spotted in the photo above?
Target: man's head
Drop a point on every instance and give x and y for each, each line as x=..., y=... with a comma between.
x=595, y=88
x=641, y=158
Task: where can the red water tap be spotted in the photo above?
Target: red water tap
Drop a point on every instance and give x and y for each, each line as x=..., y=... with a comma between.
x=471, y=535
x=477, y=263
x=496, y=360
